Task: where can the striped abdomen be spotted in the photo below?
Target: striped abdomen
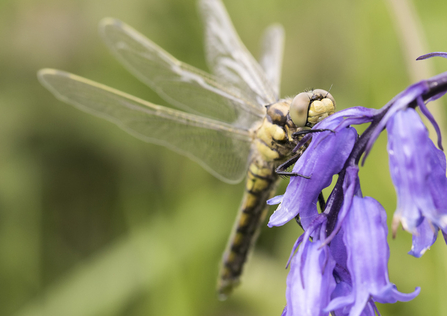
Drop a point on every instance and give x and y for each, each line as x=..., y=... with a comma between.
x=260, y=186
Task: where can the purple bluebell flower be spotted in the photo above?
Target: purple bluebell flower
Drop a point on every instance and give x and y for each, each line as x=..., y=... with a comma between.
x=310, y=281
x=365, y=233
x=416, y=171
x=427, y=231
x=344, y=296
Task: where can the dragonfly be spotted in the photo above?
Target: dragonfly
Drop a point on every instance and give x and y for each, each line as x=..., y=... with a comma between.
x=232, y=121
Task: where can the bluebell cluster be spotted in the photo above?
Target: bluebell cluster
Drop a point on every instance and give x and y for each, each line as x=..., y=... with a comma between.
x=340, y=263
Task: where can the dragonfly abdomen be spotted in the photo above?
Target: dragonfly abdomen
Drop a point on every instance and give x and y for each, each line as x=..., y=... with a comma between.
x=260, y=186
x=271, y=146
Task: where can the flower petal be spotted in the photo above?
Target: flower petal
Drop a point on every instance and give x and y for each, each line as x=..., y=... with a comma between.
x=275, y=200
x=310, y=281
x=356, y=115
x=424, y=237
x=325, y=157
x=351, y=187
x=341, y=298
x=416, y=171
x=365, y=233
x=437, y=183
x=340, y=255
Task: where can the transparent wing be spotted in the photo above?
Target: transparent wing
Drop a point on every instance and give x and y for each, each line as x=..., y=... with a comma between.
x=182, y=85
x=220, y=148
x=227, y=56
x=271, y=56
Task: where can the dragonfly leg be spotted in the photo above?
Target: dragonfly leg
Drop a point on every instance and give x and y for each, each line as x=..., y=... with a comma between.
x=281, y=170
x=321, y=202
x=310, y=131
x=298, y=221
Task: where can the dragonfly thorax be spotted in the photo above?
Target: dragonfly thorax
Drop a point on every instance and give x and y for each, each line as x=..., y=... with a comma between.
x=274, y=138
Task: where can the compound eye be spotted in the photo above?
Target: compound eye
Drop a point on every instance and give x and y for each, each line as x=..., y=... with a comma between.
x=299, y=108
x=321, y=94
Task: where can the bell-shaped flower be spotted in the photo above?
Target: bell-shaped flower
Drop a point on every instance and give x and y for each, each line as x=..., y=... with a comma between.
x=418, y=172
x=364, y=235
x=351, y=188
x=310, y=281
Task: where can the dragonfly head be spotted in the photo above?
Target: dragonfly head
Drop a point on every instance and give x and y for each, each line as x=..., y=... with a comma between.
x=309, y=108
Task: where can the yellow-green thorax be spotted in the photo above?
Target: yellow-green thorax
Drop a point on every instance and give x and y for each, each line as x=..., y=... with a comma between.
x=273, y=139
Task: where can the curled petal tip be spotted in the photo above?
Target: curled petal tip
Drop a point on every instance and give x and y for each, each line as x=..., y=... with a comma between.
x=277, y=221
x=275, y=200
x=280, y=216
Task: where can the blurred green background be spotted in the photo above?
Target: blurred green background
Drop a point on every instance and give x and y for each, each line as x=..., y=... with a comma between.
x=95, y=222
